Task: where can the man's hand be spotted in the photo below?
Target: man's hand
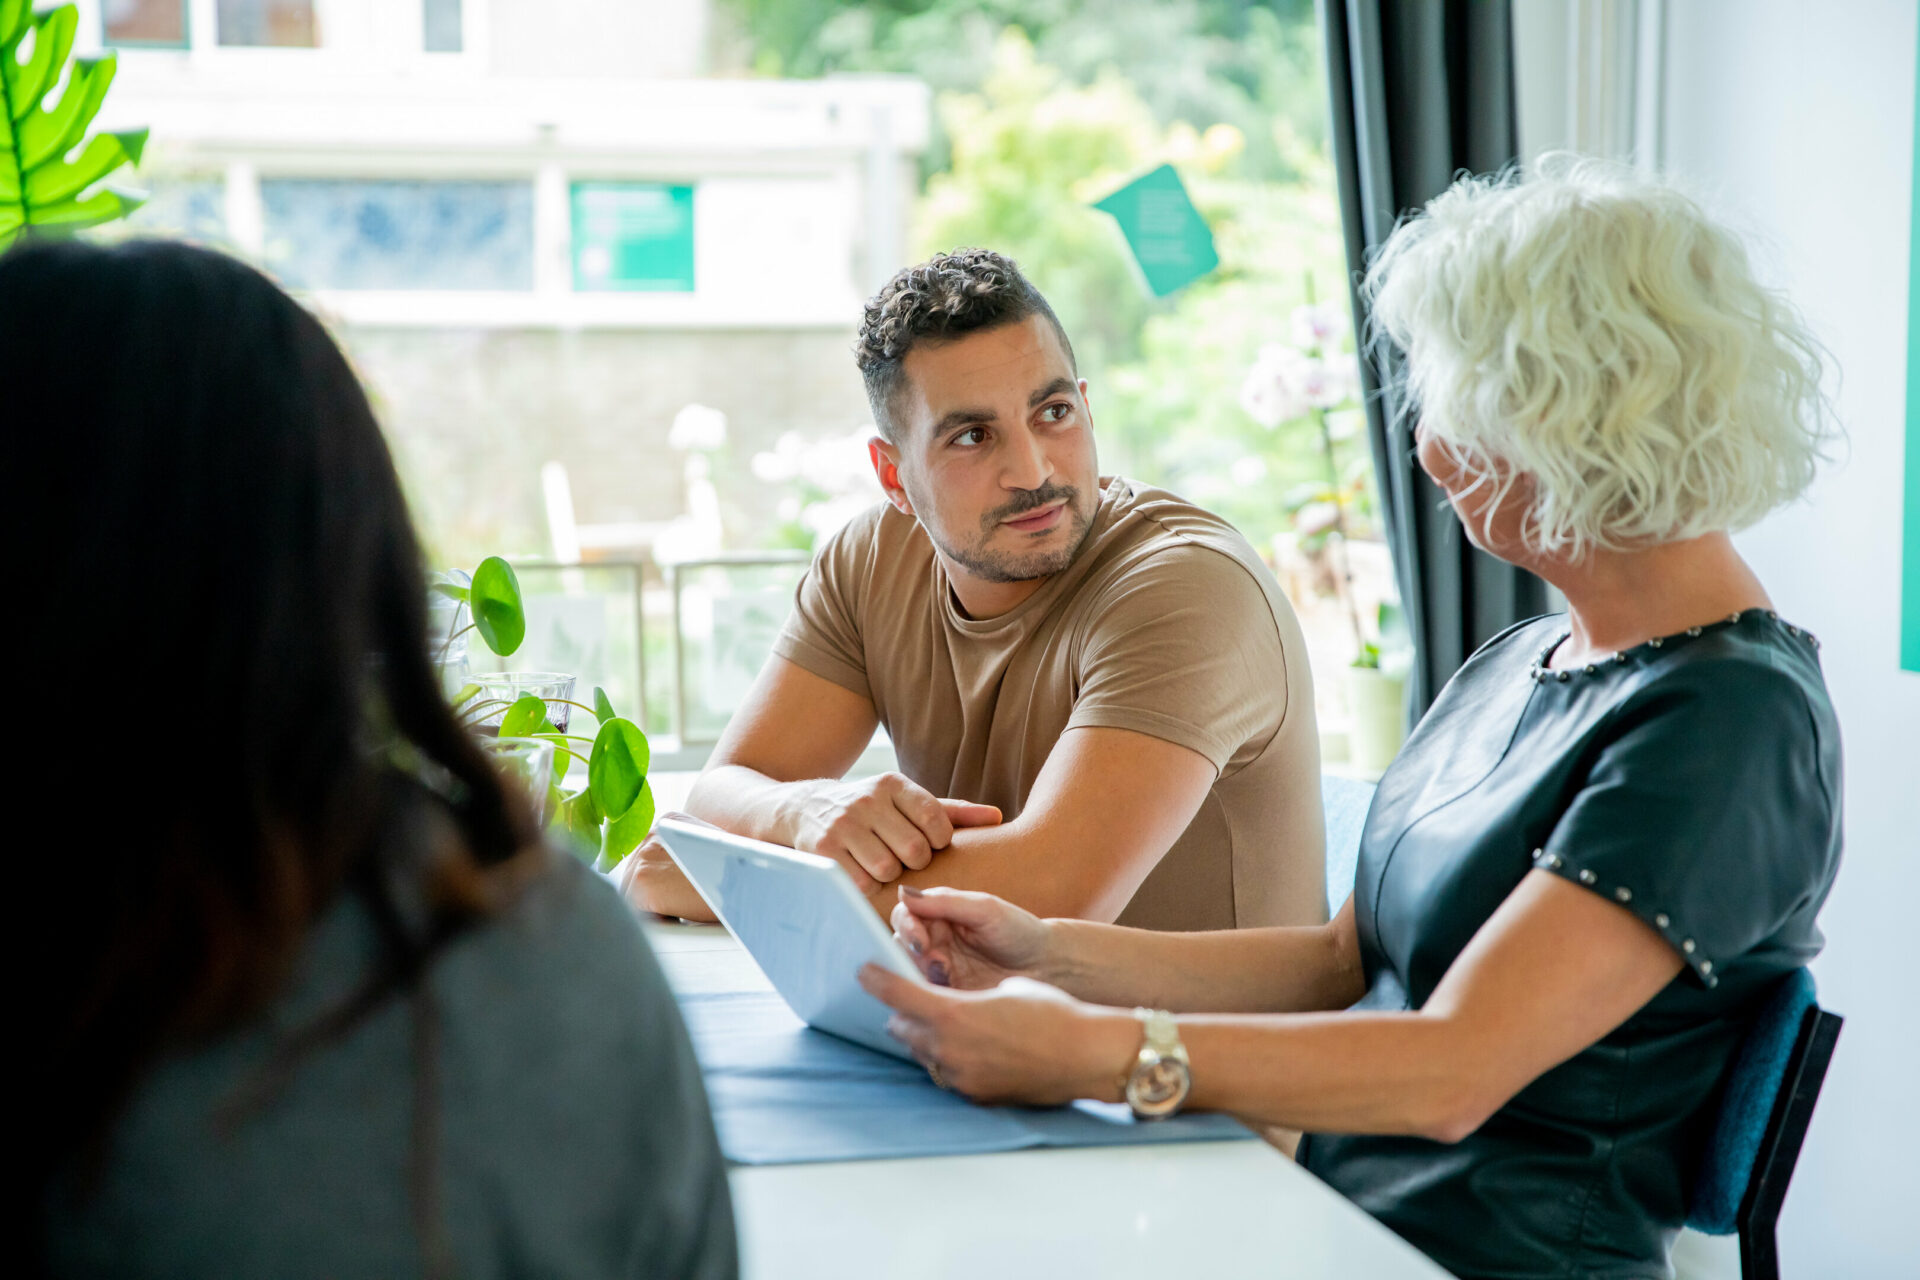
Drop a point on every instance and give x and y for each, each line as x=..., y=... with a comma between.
x=651, y=881
x=879, y=827
x=770, y=781
x=874, y=827
x=1107, y=805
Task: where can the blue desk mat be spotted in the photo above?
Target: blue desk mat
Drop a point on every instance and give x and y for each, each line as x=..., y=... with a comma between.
x=783, y=1093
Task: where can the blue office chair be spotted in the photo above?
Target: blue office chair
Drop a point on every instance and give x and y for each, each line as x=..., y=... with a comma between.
x=1346, y=801
x=1763, y=1119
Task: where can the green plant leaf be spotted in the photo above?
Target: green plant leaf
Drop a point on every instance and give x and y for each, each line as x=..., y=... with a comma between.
x=562, y=758
x=41, y=189
x=497, y=612
x=46, y=134
x=617, y=769
x=583, y=822
x=602, y=705
x=624, y=834
x=77, y=215
x=451, y=590
x=524, y=718
x=53, y=183
x=52, y=42
x=14, y=15
x=467, y=693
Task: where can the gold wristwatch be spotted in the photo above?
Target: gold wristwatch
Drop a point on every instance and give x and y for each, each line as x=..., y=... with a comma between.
x=1161, y=1078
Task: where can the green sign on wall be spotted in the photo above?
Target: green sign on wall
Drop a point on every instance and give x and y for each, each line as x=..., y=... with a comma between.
x=632, y=236
x=1169, y=238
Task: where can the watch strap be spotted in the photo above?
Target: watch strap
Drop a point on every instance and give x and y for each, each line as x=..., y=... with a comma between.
x=1160, y=1045
x=1162, y=1033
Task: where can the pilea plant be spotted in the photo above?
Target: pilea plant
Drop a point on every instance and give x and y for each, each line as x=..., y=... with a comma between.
x=492, y=597
x=609, y=817
x=42, y=190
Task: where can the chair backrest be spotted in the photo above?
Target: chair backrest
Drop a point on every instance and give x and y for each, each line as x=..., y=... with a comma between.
x=1345, y=801
x=1764, y=1112
x=564, y=531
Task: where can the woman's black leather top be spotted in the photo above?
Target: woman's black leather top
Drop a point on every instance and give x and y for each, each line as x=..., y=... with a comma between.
x=1694, y=781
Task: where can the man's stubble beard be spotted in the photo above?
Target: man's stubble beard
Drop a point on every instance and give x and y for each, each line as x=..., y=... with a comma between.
x=1002, y=566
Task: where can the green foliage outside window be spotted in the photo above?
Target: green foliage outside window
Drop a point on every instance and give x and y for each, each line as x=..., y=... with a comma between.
x=1042, y=109
x=1239, y=62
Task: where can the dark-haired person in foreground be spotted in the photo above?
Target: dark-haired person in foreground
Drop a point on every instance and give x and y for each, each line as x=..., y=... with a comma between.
x=1105, y=666
x=309, y=995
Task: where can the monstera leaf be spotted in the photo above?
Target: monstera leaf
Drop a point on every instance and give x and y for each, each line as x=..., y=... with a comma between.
x=41, y=179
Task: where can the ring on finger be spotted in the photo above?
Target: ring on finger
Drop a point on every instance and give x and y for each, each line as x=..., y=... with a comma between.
x=933, y=1072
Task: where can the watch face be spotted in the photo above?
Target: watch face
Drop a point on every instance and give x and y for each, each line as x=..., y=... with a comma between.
x=1159, y=1089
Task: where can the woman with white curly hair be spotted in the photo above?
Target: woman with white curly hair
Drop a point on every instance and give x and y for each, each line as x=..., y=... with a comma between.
x=1602, y=848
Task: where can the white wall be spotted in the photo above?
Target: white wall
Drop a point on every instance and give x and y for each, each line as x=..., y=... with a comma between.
x=1796, y=120
x=625, y=39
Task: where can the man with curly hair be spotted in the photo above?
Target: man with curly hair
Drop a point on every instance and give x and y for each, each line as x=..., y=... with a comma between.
x=1099, y=697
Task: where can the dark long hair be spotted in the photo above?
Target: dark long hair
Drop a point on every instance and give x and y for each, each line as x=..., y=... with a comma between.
x=224, y=611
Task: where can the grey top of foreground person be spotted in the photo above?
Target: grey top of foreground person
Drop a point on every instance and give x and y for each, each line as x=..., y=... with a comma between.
x=573, y=1134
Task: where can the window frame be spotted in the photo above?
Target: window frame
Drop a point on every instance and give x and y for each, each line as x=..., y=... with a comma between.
x=383, y=34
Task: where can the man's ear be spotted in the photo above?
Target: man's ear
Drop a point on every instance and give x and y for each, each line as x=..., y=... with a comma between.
x=1093, y=436
x=886, y=466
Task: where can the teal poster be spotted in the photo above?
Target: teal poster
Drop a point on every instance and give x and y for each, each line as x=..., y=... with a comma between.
x=1170, y=240
x=633, y=236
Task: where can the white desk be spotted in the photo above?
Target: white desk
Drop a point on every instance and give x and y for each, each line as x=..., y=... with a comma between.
x=1089, y=1213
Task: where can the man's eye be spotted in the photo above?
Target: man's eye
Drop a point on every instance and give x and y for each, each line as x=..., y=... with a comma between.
x=1055, y=412
x=972, y=436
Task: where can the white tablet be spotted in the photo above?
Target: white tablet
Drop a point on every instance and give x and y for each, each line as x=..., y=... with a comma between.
x=800, y=918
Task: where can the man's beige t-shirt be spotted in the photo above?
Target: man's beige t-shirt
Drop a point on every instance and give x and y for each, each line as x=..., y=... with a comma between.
x=1166, y=623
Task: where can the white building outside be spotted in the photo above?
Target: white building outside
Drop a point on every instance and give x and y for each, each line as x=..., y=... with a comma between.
x=543, y=237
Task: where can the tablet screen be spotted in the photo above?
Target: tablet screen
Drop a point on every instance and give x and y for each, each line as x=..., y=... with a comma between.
x=802, y=921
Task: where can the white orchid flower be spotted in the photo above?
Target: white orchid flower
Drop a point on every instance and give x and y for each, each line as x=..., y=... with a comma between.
x=1318, y=324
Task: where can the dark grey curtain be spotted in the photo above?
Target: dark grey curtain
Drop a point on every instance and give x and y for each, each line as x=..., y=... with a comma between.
x=1421, y=90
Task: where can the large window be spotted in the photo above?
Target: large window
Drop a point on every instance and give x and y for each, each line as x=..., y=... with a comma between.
x=330, y=234
x=601, y=264
x=1238, y=390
